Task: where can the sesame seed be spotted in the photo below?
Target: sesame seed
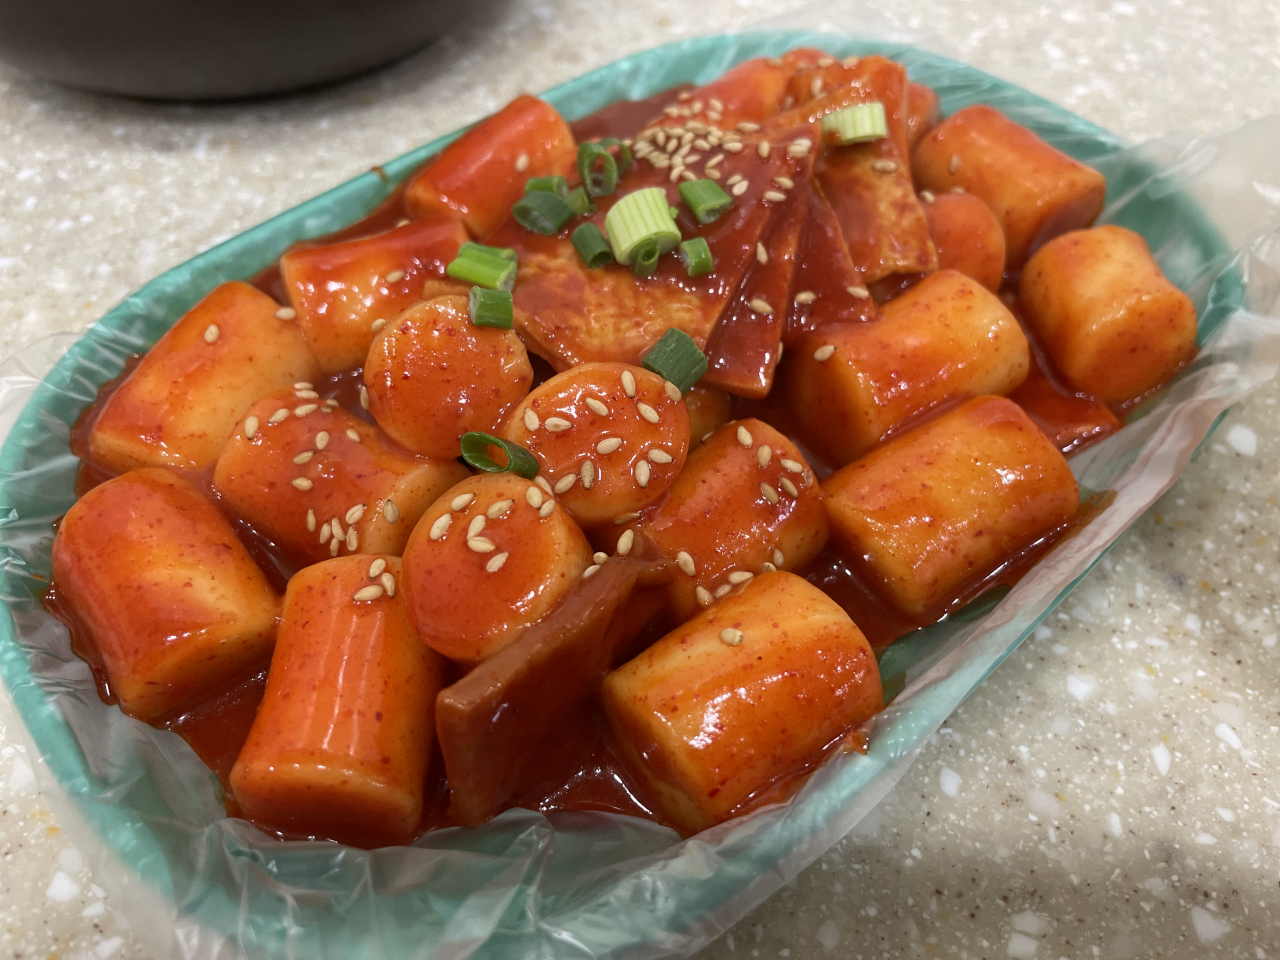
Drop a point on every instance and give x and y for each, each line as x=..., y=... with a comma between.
x=322, y=439
x=658, y=455
x=403, y=222
x=531, y=421
x=954, y=165
x=461, y=501
x=608, y=445
x=377, y=325
x=533, y=497
x=301, y=483
x=798, y=149
x=672, y=145
x=250, y=426
x=376, y=568
x=685, y=561
x=278, y=416
x=388, y=584
x=744, y=436
x=700, y=144
x=597, y=407
x=703, y=595
x=286, y=313
x=769, y=493
x=355, y=513
x=499, y=508
x=786, y=183
x=304, y=456
x=390, y=512
x=495, y=562
x=723, y=589
x=712, y=174
x=353, y=434
x=307, y=395
x=795, y=466
x=325, y=533
x=330, y=405
x=956, y=189
x=546, y=509
x=768, y=567
x=336, y=525
x=364, y=397
x=683, y=152
x=740, y=576
x=599, y=557
x=628, y=383
x=778, y=558
x=305, y=409
x=862, y=293
x=688, y=175
x=824, y=352
x=641, y=472
x=566, y=482
x=522, y=163
x=660, y=137
x=707, y=436
x=764, y=453
x=557, y=424
x=481, y=545
x=735, y=179
x=476, y=526
x=625, y=518
x=741, y=187
x=825, y=61
x=311, y=520
x=884, y=166
x=588, y=473
x=211, y=333
x=762, y=254
x=731, y=146
x=677, y=172
x=927, y=196
x=774, y=196
x=334, y=546
x=715, y=104
x=626, y=542
x=372, y=592
x=543, y=482
x=353, y=539
x=761, y=306
x=304, y=385
x=731, y=636
x=806, y=296
x=395, y=276
x=591, y=571
x=647, y=412
x=672, y=390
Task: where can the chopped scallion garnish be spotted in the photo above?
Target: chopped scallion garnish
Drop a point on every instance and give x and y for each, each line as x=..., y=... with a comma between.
x=598, y=169
x=579, y=201
x=705, y=200
x=676, y=358
x=492, y=267
x=542, y=212
x=492, y=308
x=592, y=246
x=557, y=185
x=475, y=451
x=860, y=123
x=641, y=219
x=696, y=256
x=645, y=260
x=624, y=153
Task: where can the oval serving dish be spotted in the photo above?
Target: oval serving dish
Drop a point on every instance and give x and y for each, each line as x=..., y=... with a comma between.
x=525, y=884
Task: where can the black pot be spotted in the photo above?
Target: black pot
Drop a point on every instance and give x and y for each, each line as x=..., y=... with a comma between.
x=214, y=49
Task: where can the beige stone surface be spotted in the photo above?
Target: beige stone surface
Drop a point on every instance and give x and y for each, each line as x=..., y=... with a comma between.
x=1109, y=792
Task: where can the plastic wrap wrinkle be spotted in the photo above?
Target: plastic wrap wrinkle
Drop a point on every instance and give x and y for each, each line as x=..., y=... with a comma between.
x=148, y=814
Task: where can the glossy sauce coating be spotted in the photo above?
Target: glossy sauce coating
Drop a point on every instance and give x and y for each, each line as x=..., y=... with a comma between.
x=948, y=501
x=739, y=504
x=709, y=408
x=317, y=466
x=922, y=113
x=605, y=452
x=947, y=338
x=344, y=760
x=967, y=236
x=432, y=375
x=171, y=603
x=480, y=175
x=227, y=351
x=342, y=290
x=1109, y=319
x=714, y=720
x=484, y=563
x=1072, y=422
x=1035, y=191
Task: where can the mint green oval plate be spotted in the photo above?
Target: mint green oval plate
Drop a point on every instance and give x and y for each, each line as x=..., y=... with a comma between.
x=524, y=885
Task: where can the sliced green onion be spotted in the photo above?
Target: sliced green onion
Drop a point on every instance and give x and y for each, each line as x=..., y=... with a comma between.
x=638, y=219
x=598, y=169
x=860, y=123
x=492, y=267
x=492, y=308
x=673, y=211
x=646, y=258
x=696, y=256
x=676, y=358
x=705, y=199
x=557, y=185
x=475, y=450
x=542, y=212
x=591, y=246
x=624, y=153
x=577, y=199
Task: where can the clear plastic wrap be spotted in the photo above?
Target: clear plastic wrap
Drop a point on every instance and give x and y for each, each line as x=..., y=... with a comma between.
x=199, y=885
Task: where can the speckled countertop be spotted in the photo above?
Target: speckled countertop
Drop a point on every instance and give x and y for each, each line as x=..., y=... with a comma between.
x=1109, y=792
